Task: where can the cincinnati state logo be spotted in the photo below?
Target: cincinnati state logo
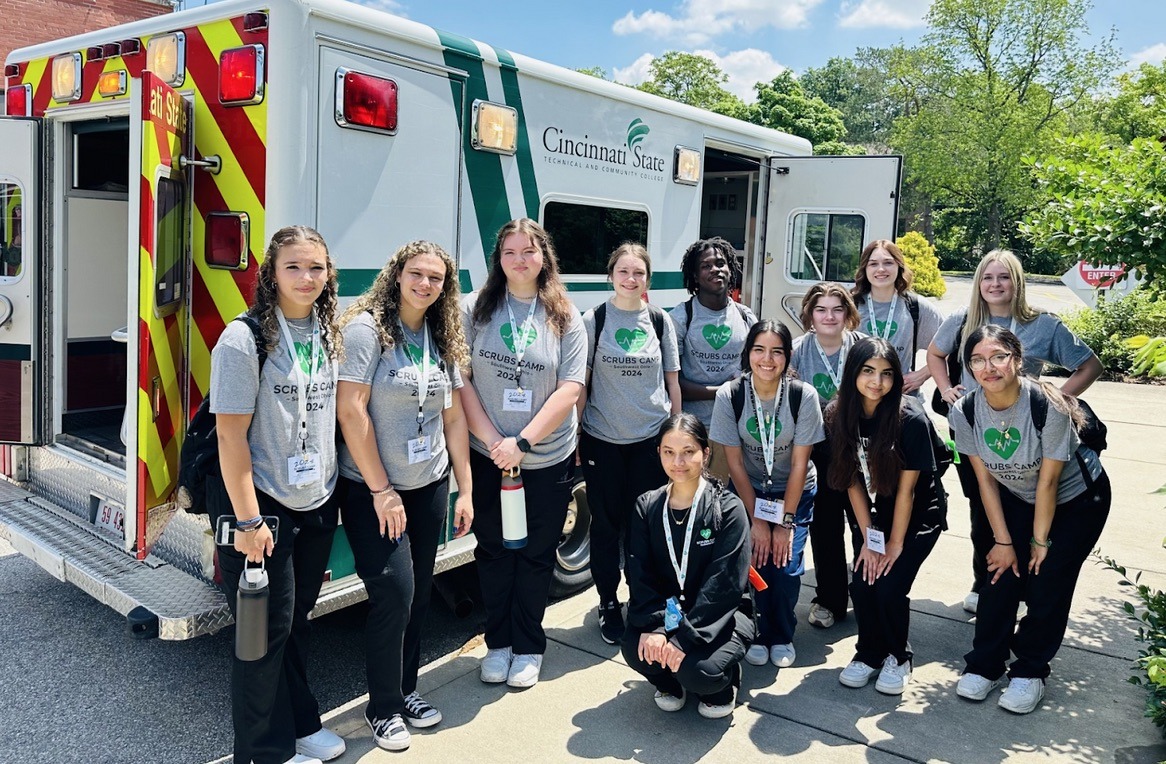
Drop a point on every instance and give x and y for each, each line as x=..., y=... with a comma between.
x=637, y=131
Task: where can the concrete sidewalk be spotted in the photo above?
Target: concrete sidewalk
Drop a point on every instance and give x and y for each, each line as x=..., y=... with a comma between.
x=590, y=705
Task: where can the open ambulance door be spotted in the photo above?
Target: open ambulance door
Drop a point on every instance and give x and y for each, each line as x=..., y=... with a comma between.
x=821, y=211
x=159, y=212
x=23, y=409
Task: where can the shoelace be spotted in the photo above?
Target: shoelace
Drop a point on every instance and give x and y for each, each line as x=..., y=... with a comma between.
x=385, y=727
x=416, y=705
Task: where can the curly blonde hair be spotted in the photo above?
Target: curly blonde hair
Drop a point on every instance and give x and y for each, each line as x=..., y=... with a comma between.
x=267, y=296
x=383, y=302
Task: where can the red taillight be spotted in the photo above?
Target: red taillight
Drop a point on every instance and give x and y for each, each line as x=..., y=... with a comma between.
x=241, y=75
x=18, y=101
x=365, y=101
x=228, y=236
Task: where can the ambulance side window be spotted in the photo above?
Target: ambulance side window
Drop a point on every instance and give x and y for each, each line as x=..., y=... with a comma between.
x=585, y=234
x=11, y=232
x=169, y=244
x=826, y=246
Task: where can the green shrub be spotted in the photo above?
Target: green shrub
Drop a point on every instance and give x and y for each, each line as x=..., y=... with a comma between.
x=1150, y=667
x=920, y=257
x=1105, y=328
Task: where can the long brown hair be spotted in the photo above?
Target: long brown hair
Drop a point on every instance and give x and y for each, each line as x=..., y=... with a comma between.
x=383, y=302
x=884, y=458
x=267, y=296
x=551, y=291
x=903, y=279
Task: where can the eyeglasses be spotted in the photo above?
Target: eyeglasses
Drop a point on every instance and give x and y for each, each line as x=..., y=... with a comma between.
x=977, y=363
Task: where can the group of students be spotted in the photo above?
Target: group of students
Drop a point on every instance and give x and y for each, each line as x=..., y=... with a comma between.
x=711, y=443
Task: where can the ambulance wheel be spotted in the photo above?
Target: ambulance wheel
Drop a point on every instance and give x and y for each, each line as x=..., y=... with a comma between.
x=573, y=556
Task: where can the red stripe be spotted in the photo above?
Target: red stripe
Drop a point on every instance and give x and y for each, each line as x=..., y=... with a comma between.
x=90, y=74
x=42, y=92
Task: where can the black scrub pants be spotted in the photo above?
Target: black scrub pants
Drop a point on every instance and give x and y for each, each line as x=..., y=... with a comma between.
x=616, y=475
x=981, y=534
x=832, y=515
x=517, y=582
x=398, y=577
x=271, y=704
x=710, y=671
x=1077, y=525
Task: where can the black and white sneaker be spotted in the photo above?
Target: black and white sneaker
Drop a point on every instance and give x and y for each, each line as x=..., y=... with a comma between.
x=390, y=734
x=419, y=713
x=611, y=626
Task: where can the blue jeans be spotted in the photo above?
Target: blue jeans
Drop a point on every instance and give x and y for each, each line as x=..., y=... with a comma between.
x=775, y=606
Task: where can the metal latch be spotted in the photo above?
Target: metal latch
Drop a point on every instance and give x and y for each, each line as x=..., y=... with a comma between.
x=212, y=164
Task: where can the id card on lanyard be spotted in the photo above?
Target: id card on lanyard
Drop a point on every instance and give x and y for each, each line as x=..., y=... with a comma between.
x=304, y=468
x=517, y=398
x=419, y=448
x=680, y=567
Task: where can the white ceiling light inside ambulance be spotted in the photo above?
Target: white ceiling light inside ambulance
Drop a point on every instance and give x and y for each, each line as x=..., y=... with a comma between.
x=18, y=101
x=166, y=57
x=687, y=166
x=495, y=128
x=67, y=77
x=366, y=102
x=241, y=75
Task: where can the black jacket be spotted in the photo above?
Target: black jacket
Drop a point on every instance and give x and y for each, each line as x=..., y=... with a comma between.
x=718, y=566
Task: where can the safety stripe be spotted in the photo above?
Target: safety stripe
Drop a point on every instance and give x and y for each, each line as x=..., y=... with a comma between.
x=513, y=96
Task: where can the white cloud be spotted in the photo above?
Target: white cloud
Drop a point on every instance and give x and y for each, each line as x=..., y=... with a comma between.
x=745, y=68
x=635, y=72
x=893, y=14
x=1155, y=54
x=697, y=22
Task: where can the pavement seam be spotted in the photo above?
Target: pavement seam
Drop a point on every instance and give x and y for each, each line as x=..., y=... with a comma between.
x=832, y=733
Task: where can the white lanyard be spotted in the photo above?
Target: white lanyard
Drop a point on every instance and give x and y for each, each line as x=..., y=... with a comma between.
x=422, y=374
x=835, y=376
x=767, y=428
x=864, y=465
x=680, y=567
x=302, y=383
x=520, y=337
x=870, y=317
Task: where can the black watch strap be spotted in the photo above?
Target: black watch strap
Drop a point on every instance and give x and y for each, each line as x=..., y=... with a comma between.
x=523, y=444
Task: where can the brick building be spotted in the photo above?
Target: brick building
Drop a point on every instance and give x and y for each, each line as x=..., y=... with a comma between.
x=27, y=22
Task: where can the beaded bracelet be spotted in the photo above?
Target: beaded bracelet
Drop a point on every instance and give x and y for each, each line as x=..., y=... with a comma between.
x=249, y=525
x=1048, y=543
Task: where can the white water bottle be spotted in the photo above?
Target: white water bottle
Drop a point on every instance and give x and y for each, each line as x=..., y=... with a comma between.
x=513, y=509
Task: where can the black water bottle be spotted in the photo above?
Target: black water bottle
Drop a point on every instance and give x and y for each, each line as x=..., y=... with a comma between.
x=251, y=615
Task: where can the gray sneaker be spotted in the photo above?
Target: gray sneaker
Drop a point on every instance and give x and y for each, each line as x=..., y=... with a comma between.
x=496, y=665
x=524, y=671
x=1023, y=695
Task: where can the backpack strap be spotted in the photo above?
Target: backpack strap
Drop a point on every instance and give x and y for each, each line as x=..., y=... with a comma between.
x=257, y=334
x=1038, y=405
x=744, y=313
x=795, y=398
x=737, y=390
x=737, y=396
x=913, y=310
x=600, y=317
x=658, y=317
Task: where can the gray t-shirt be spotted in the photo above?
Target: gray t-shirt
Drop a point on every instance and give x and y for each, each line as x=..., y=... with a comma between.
x=807, y=362
x=902, y=329
x=392, y=404
x=1044, y=339
x=710, y=348
x=626, y=400
x=745, y=434
x=1012, y=449
x=549, y=360
x=272, y=401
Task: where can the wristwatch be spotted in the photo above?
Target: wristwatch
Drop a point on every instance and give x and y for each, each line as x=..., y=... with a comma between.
x=788, y=519
x=523, y=444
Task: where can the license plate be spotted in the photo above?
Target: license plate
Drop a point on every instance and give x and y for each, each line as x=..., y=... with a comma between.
x=110, y=516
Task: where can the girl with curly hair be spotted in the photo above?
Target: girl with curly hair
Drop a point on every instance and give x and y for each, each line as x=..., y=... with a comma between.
x=403, y=348
x=277, y=452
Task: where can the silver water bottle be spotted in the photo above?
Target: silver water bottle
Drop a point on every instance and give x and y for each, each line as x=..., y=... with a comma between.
x=251, y=614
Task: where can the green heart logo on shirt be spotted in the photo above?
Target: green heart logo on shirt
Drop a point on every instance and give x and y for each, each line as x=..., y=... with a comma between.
x=415, y=355
x=631, y=340
x=755, y=431
x=507, y=333
x=706, y=533
x=716, y=335
x=1003, y=443
x=881, y=327
x=304, y=355
x=824, y=385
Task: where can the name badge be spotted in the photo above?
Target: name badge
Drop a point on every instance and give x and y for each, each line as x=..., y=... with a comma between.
x=303, y=469
x=876, y=541
x=449, y=396
x=672, y=614
x=419, y=449
x=769, y=510
x=514, y=399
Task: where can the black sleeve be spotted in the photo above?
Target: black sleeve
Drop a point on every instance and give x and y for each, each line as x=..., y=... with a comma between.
x=723, y=581
x=647, y=597
x=915, y=440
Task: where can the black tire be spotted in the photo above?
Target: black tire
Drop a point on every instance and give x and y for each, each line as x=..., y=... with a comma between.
x=573, y=555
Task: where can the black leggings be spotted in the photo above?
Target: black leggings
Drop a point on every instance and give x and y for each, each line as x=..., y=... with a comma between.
x=832, y=515
x=708, y=671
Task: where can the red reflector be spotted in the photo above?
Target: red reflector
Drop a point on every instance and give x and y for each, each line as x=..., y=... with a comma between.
x=111, y=49
x=241, y=75
x=367, y=101
x=131, y=47
x=253, y=22
x=94, y=53
x=227, y=239
x=16, y=100
x=12, y=70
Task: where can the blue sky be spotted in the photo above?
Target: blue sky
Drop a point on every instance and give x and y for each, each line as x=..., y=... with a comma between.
x=751, y=40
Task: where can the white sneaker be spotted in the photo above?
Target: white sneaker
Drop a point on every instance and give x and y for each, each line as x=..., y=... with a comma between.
x=1023, y=695
x=524, y=670
x=666, y=701
x=718, y=711
x=390, y=734
x=820, y=616
x=976, y=687
x=782, y=655
x=496, y=665
x=856, y=675
x=971, y=602
x=894, y=677
x=757, y=655
x=301, y=759
x=323, y=744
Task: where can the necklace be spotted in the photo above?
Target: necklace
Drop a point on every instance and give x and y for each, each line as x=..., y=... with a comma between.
x=683, y=515
x=1005, y=438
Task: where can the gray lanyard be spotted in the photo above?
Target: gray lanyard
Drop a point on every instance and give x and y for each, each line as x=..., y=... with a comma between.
x=680, y=566
x=302, y=383
x=767, y=428
x=835, y=376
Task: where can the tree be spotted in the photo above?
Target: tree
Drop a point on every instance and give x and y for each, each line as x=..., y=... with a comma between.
x=594, y=71
x=783, y=104
x=1139, y=108
x=1106, y=203
x=694, y=80
x=921, y=259
x=859, y=89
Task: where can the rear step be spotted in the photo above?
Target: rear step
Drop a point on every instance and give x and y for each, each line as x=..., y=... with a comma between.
x=74, y=551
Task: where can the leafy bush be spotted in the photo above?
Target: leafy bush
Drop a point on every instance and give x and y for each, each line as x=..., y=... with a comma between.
x=1105, y=328
x=1151, y=661
x=920, y=257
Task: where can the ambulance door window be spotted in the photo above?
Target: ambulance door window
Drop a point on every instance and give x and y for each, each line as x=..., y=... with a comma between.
x=825, y=246
x=11, y=232
x=169, y=226
x=585, y=235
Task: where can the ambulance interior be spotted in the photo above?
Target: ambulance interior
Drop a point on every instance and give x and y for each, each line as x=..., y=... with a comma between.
x=95, y=272
x=729, y=207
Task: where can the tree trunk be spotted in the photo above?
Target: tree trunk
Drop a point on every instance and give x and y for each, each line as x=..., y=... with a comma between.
x=994, y=224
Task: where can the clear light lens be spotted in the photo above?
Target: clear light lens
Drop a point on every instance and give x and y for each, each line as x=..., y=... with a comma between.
x=67, y=77
x=495, y=128
x=687, y=169
x=166, y=58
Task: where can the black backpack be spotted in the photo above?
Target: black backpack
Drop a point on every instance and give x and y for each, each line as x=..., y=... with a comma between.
x=737, y=392
x=656, y=313
x=199, y=457
x=955, y=368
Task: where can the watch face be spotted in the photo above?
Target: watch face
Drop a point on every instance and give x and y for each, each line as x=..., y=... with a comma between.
x=788, y=519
